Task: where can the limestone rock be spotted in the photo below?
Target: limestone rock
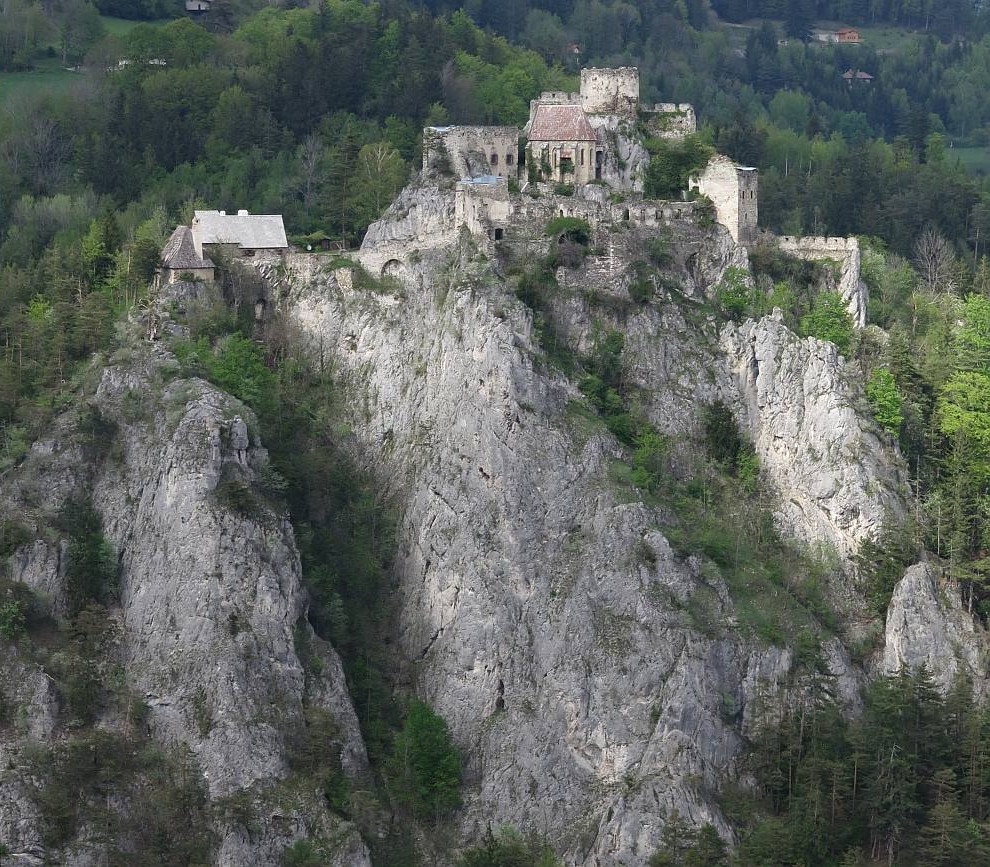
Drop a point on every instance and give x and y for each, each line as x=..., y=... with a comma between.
x=539, y=613
x=927, y=625
x=210, y=595
x=837, y=480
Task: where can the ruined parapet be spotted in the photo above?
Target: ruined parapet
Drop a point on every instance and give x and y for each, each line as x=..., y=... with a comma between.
x=471, y=151
x=846, y=254
x=651, y=213
x=733, y=190
x=610, y=91
x=674, y=120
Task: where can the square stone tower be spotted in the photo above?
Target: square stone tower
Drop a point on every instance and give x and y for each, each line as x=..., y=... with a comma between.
x=610, y=91
x=734, y=190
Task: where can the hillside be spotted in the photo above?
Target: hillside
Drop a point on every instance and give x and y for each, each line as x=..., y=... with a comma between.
x=550, y=485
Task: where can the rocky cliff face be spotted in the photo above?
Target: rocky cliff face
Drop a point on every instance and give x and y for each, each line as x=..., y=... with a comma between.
x=540, y=605
x=928, y=625
x=837, y=479
x=543, y=613
x=210, y=597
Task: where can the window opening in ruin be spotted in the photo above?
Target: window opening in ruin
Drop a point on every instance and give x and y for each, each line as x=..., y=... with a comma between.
x=625, y=214
x=508, y=159
x=599, y=159
x=494, y=159
x=498, y=234
x=582, y=157
x=566, y=166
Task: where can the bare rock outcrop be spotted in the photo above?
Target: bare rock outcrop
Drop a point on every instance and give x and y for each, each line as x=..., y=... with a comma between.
x=837, y=479
x=210, y=588
x=927, y=625
x=540, y=612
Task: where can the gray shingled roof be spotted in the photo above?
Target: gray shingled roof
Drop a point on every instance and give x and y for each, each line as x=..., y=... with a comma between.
x=249, y=231
x=560, y=123
x=180, y=252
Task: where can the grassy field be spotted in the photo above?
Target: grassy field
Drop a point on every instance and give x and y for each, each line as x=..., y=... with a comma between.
x=49, y=76
x=882, y=39
x=121, y=26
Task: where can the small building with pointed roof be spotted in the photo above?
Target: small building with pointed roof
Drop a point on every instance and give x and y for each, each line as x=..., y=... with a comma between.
x=181, y=261
x=562, y=143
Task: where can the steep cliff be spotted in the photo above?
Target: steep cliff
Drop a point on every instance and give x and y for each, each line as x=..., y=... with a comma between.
x=208, y=614
x=543, y=611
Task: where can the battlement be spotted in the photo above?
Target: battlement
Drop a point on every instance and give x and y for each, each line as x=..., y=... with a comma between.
x=845, y=252
x=610, y=91
x=673, y=108
x=558, y=97
x=816, y=242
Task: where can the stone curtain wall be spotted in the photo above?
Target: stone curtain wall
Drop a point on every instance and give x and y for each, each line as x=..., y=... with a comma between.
x=845, y=253
x=677, y=119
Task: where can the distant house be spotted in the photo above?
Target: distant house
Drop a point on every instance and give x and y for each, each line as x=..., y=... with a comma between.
x=857, y=77
x=197, y=6
x=180, y=259
x=243, y=233
x=848, y=36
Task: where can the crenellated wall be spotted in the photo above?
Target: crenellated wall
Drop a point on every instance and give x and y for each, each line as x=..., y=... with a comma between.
x=845, y=253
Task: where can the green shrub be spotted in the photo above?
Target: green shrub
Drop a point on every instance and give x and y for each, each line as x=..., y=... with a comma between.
x=885, y=399
x=734, y=294
x=829, y=320
x=91, y=565
x=12, y=619
x=659, y=250
x=304, y=853
x=572, y=229
x=509, y=849
x=641, y=285
x=426, y=765
x=564, y=189
x=671, y=165
x=722, y=438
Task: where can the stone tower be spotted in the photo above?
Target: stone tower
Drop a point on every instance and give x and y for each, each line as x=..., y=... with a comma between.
x=610, y=91
x=734, y=190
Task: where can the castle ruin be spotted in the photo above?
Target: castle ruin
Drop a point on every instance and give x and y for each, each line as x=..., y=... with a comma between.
x=733, y=191
x=472, y=151
x=610, y=91
x=844, y=252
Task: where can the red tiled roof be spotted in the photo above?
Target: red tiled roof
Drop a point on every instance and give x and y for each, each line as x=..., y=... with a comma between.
x=560, y=123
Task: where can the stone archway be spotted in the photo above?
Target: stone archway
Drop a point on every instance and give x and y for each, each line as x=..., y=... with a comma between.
x=393, y=268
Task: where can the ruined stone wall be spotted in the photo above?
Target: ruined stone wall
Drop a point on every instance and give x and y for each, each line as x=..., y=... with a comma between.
x=845, y=253
x=483, y=208
x=552, y=155
x=675, y=119
x=610, y=91
x=472, y=151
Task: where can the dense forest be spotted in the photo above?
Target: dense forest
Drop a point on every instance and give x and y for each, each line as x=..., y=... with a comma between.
x=314, y=110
